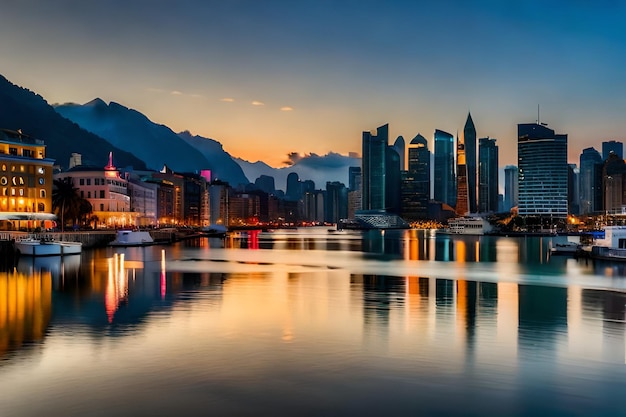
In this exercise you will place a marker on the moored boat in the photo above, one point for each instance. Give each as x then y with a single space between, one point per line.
132 238
612 246
32 246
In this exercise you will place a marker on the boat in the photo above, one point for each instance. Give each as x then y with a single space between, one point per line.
132 238
468 225
214 230
567 248
33 246
612 246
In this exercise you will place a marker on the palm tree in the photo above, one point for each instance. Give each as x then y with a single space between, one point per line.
65 199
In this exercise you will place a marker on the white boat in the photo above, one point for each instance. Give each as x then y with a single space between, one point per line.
31 246
612 246
132 238
468 226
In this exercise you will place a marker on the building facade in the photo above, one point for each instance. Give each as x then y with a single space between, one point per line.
510 187
542 163
25 182
487 175
590 181
444 182
373 168
469 141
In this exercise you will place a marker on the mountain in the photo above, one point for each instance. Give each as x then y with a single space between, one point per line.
319 168
156 144
22 109
221 163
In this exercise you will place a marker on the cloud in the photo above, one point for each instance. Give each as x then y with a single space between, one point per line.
176 93
257 103
292 158
286 108
227 99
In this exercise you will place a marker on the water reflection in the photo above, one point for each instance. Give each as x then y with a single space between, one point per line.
495 323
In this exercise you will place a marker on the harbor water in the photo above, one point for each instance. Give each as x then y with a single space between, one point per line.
315 322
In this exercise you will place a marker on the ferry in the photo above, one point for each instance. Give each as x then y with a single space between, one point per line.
469 226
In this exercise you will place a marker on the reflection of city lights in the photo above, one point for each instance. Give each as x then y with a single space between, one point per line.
117 285
163 282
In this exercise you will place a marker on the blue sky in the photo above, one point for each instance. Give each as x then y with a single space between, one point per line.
267 78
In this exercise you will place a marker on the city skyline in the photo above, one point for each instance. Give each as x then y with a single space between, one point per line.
267 79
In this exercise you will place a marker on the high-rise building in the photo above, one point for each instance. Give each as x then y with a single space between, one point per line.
573 196
400 147
487 175
373 168
612 146
416 182
294 187
444 181
590 181
462 203
613 183
336 202
542 162
469 141
393 181
354 178
510 187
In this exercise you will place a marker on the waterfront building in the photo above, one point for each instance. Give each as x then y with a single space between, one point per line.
393 181
573 196
416 181
469 142
143 200
542 162
510 187
373 166
590 181
462 202
400 146
107 192
314 206
336 202
613 184
612 146
444 181
25 182
487 175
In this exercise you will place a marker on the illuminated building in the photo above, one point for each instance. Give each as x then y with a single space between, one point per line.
542 164
106 190
25 182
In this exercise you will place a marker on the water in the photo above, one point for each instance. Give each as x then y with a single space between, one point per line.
312 322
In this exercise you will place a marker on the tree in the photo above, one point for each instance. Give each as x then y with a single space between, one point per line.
66 201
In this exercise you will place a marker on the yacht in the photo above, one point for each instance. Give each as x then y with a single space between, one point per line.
468 226
132 238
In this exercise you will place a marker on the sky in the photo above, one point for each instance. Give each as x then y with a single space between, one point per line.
267 78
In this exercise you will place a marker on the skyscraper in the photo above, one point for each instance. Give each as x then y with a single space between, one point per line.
400 147
392 181
416 183
590 181
542 162
354 178
294 187
612 146
462 203
444 181
374 149
510 187
469 140
487 175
